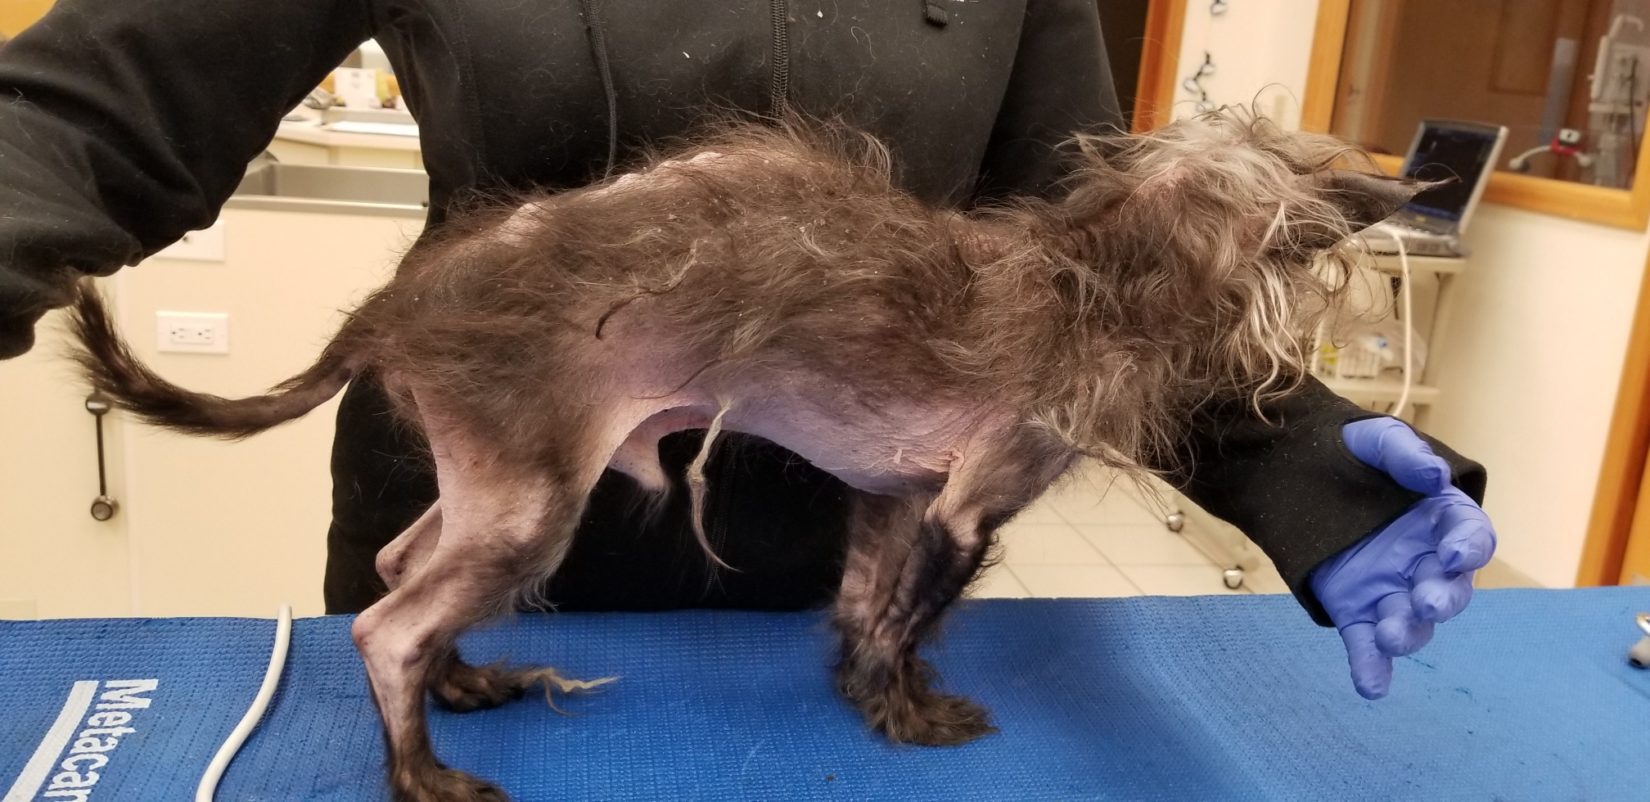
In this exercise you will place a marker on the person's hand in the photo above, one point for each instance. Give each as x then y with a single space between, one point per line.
1387 592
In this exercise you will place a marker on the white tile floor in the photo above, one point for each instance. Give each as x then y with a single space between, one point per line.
1092 537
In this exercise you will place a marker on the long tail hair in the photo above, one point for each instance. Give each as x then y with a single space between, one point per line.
108 362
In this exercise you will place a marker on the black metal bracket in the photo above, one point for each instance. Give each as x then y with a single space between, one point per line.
103 507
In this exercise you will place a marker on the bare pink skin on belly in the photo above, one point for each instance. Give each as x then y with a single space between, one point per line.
896 449
884 446
888 446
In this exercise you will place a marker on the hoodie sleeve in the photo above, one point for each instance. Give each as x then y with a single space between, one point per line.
124 125
1285 479
1289 483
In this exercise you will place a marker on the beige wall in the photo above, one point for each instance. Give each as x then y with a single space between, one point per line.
1529 379
1540 330
1258 54
55 561
206 527
15 15
237 528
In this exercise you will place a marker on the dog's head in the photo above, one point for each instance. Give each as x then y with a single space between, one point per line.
1221 239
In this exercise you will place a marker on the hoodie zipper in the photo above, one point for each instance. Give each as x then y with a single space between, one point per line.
779 82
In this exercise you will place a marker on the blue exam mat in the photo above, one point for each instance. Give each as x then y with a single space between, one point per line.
1527 696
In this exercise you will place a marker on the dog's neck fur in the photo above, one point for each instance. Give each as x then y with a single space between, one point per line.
1065 339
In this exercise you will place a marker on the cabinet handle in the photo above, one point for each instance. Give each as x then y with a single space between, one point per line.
103 507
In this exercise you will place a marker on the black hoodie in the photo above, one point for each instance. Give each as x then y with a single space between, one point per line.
126 123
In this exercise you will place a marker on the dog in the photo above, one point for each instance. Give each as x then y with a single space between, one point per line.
947 366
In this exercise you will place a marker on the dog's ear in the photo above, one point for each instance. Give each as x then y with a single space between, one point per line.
1365 199
1351 201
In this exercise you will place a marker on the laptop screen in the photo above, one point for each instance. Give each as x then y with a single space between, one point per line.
1444 153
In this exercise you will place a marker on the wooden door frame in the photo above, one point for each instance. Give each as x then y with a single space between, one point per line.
1626 448
1159 62
1621 208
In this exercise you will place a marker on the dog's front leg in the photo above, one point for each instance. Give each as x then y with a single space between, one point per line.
904 569
907 564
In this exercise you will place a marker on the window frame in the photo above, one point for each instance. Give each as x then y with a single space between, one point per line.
1621 208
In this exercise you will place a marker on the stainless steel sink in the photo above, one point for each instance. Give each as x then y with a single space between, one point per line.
321 188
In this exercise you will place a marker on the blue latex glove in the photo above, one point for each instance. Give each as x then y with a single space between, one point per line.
1386 593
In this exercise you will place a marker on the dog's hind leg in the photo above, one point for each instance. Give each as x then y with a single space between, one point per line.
505 523
907 564
455 684
411 549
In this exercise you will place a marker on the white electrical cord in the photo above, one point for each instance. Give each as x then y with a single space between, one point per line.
1409 318
272 678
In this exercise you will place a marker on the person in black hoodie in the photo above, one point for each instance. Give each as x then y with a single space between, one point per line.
124 125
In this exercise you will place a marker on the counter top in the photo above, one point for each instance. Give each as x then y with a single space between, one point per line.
311 131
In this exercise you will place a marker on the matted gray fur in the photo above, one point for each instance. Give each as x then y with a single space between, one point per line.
772 280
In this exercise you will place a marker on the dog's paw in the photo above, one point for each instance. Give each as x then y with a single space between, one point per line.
445 785
927 718
900 703
461 688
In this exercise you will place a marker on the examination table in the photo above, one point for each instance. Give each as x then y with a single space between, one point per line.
1528 695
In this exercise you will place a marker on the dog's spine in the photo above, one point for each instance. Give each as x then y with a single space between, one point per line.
113 370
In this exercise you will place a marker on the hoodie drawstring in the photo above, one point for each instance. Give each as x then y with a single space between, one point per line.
596 31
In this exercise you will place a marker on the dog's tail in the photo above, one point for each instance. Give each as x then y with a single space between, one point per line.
112 368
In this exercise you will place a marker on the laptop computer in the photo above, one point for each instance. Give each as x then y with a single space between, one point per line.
1432 223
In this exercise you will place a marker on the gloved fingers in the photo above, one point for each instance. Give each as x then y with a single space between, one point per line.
1390 446
1439 595
1466 539
1371 670
1399 631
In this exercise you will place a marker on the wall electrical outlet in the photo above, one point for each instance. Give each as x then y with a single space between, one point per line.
192 332
206 245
